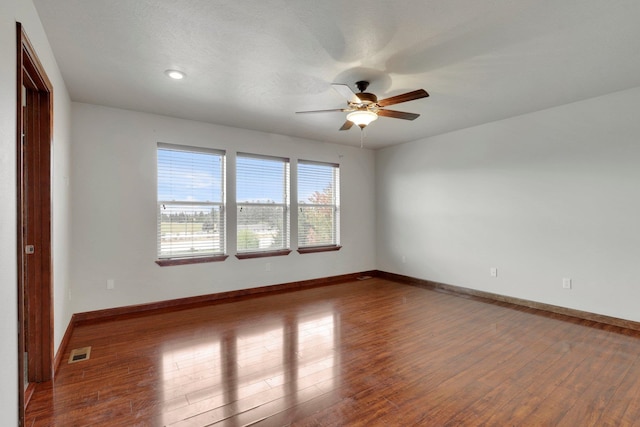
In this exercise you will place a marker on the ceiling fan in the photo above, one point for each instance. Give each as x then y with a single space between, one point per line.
364 107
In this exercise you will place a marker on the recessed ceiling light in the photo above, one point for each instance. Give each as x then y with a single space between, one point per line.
175 74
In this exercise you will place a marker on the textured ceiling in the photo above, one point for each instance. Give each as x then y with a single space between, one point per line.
252 64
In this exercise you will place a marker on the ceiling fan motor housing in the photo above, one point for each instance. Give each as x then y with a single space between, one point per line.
367 98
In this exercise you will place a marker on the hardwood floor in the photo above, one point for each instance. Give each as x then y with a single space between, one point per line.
362 353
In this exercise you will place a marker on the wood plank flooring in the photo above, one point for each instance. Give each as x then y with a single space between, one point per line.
362 353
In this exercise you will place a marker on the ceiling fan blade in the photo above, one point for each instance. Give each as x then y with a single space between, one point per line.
346 91
321 111
398 114
347 125
409 96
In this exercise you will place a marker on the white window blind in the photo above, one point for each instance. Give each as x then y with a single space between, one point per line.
262 196
318 204
191 209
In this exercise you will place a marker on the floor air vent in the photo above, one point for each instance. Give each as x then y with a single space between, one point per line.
79 354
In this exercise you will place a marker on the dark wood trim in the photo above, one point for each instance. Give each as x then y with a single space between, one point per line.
189 302
63 345
473 293
263 254
33 162
187 261
316 249
30 61
22 400
28 393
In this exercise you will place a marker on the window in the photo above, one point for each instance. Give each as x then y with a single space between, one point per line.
262 196
191 210
319 206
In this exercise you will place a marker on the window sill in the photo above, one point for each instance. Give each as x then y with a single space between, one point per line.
185 261
247 255
313 250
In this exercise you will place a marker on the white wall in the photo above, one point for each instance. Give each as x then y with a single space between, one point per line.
24 12
542 196
114 210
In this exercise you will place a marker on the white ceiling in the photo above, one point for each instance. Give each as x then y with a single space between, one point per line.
252 64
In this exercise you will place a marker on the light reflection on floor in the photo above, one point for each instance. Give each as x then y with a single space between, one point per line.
290 359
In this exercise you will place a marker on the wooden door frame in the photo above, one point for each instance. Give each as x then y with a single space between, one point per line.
36 229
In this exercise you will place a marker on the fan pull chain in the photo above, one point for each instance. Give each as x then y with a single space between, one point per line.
363 135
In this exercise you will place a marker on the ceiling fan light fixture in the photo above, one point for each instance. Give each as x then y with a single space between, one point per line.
362 117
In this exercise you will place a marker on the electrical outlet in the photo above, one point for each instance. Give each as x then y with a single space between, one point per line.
493 272
267 267
404 259
566 283
111 284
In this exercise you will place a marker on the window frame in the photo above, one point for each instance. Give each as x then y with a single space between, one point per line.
192 258
286 205
335 246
